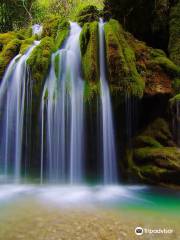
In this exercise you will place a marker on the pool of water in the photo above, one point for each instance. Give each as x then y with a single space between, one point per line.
121 208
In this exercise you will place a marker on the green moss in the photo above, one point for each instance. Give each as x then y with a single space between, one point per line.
57 65
62 34
8 53
26 44
121 61
50 27
89 39
174 101
5 38
91 89
165 157
39 62
159 130
146 141
167 65
174 29
87 14
155 165
24 33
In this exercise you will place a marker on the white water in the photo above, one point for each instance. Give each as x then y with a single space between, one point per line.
62 115
73 196
37 29
12 106
108 138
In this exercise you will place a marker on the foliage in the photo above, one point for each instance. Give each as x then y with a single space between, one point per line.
14 14
37 11
65 9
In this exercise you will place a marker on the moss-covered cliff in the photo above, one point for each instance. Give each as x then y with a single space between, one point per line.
121 63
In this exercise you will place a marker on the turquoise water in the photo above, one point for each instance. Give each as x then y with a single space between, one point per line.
121 208
119 197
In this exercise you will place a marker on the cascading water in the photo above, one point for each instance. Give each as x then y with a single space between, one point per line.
12 107
62 115
108 138
37 29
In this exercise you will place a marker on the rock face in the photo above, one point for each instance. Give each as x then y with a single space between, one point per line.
155 157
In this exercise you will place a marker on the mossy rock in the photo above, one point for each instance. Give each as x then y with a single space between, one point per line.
174 30
5 38
26 44
154 157
165 157
39 62
159 130
8 53
146 141
24 33
89 40
62 34
91 91
50 27
121 61
157 70
88 14
158 165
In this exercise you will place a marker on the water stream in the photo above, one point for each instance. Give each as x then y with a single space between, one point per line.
108 136
12 107
62 115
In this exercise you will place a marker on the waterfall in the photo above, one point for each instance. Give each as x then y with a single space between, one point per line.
108 137
62 115
37 29
12 106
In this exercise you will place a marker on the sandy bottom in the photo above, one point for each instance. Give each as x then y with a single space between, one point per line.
112 213
34 221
